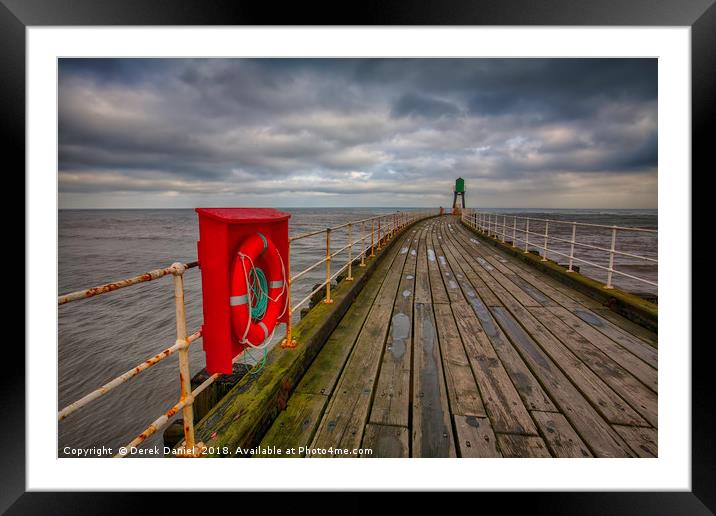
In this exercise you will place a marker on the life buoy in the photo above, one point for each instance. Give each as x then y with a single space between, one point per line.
258 277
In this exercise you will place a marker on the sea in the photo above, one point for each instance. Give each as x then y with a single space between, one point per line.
102 337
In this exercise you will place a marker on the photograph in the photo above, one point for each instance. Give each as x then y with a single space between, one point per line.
358 257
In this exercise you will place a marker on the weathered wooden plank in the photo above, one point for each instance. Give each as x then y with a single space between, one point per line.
468 257
422 280
559 435
508 283
630 327
631 362
526 384
644 441
640 368
388 290
437 287
525 446
603 397
533 292
461 386
596 432
639 396
483 272
529 277
639 348
295 426
345 419
520 295
450 280
386 441
431 426
504 406
475 438
392 397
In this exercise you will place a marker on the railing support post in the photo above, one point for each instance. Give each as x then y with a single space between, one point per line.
184 371
380 237
350 252
328 299
546 230
288 341
514 232
504 227
610 270
571 247
372 238
527 235
362 244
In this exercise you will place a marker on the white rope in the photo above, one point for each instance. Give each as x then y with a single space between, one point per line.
269 338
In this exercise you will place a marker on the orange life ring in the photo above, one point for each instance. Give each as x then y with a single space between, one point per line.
256 250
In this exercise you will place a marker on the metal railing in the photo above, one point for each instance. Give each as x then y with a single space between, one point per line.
382 229
504 226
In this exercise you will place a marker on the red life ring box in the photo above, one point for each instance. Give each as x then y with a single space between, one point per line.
221 234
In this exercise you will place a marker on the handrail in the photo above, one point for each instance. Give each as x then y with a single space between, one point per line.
489 224
396 222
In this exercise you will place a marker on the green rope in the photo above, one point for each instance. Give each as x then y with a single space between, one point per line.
261 363
258 289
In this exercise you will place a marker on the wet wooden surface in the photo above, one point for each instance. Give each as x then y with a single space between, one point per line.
455 349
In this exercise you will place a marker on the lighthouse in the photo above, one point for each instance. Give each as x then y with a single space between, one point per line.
458 190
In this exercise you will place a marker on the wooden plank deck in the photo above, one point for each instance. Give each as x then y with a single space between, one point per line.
456 349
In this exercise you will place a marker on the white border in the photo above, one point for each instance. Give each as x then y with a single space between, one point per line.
670 471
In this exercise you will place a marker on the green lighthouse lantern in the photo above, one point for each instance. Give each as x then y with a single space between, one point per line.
458 191
459 185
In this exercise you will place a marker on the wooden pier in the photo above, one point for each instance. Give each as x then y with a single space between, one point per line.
455 348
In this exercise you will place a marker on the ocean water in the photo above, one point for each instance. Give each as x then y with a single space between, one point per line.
102 337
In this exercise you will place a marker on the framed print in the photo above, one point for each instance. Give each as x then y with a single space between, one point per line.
427 237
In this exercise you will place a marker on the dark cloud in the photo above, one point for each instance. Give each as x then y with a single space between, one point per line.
420 105
364 132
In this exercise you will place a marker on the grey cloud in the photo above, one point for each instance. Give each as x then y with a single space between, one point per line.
421 105
367 130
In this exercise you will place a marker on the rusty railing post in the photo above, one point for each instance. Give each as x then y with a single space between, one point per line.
350 252
514 232
380 246
372 237
546 230
362 244
288 341
184 372
527 235
328 299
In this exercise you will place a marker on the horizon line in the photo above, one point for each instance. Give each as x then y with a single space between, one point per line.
356 207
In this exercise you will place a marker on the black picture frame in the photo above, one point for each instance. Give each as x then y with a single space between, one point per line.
700 15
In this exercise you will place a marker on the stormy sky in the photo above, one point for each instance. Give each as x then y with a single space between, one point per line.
530 133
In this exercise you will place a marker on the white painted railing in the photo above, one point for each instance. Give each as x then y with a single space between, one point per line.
516 230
